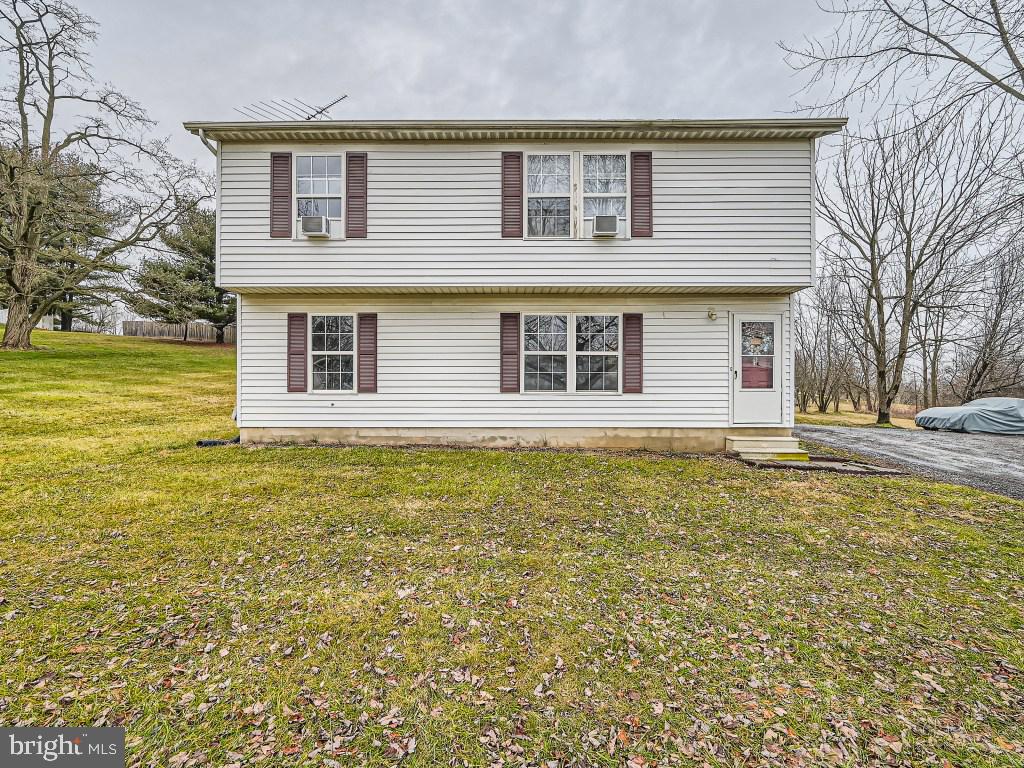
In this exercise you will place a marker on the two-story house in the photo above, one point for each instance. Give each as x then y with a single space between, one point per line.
546 283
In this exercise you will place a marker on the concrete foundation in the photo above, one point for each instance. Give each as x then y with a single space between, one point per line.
682 440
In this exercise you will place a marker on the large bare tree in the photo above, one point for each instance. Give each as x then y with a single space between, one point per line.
906 210
989 359
946 53
80 182
932 64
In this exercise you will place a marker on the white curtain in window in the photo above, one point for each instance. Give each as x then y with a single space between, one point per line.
604 185
604 206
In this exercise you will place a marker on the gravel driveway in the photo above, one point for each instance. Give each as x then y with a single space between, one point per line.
990 462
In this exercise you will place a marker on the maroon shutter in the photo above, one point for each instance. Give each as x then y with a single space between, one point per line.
366 372
512 194
296 351
355 194
280 194
632 353
509 351
641 211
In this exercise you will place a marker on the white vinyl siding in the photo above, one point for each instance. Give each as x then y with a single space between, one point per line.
438 364
726 215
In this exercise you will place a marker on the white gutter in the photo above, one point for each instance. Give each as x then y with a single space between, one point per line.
202 137
517 130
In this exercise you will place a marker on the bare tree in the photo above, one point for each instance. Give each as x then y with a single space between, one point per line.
928 334
990 360
905 208
805 352
80 184
822 353
948 53
859 382
939 320
101 317
931 63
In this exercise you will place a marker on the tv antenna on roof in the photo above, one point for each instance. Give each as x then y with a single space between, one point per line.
287 109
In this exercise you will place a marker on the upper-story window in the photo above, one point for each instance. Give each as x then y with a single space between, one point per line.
604 187
318 185
565 191
548 195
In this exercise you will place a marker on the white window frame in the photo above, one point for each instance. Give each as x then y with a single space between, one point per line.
570 195
577 221
353 353
566 353
338 232
609 195
570 353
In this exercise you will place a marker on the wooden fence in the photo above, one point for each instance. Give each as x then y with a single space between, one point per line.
154 329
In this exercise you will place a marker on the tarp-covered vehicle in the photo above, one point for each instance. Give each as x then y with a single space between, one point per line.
996 415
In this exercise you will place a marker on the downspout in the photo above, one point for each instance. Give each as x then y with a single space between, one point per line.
206 142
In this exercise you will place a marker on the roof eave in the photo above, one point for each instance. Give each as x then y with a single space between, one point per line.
519 130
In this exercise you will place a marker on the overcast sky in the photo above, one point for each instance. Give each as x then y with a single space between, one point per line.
197 59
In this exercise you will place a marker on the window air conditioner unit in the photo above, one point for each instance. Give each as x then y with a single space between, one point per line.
315 226
606 226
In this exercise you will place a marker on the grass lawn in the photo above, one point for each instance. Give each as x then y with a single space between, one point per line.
345 607
847 417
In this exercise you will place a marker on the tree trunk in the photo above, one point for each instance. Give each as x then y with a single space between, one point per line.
65 320
18 333
803 399
925 388
935 376
882 392
184 333
220 334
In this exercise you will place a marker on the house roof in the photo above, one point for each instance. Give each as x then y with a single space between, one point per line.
517 130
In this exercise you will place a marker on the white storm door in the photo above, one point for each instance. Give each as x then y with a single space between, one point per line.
756 369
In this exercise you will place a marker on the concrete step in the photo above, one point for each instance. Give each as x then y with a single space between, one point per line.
766 448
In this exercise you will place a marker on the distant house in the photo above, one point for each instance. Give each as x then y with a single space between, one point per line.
564 283
45 324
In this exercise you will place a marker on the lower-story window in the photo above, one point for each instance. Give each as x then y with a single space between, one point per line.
545 348
586 344
597 353
332 351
